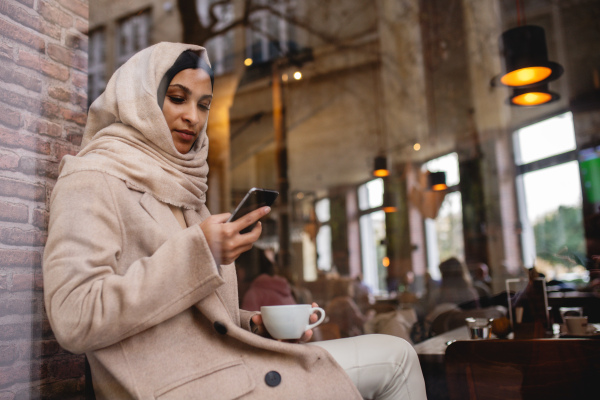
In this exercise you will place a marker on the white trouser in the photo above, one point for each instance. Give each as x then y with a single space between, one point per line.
382 367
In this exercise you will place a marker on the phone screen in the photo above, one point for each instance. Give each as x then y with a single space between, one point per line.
254 199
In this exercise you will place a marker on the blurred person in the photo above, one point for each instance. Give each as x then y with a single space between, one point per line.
344 312
268 288
456 286
481 282
140 277
361 294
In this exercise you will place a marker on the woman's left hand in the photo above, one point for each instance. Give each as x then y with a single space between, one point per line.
262 331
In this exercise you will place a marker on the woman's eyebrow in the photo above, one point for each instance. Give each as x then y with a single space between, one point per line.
184 88
189 92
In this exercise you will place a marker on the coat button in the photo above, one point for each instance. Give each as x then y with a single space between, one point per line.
272 378
219 327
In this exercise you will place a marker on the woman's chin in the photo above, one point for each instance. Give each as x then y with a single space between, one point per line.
183 148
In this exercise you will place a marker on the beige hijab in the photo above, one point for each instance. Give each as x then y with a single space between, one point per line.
127 136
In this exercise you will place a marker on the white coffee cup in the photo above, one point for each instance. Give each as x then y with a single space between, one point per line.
576 325
290 321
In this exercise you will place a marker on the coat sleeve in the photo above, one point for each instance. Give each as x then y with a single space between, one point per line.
245 317
89 304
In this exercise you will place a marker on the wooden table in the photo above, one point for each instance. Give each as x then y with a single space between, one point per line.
435 348
431 356
432 353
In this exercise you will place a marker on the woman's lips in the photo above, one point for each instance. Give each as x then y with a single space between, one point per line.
187 135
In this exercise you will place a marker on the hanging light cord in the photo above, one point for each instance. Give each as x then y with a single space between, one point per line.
520 13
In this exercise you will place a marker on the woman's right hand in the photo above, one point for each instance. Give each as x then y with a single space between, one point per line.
224 238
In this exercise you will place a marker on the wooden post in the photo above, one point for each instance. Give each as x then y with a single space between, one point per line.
279 126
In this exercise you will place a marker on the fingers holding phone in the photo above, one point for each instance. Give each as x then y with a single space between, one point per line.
255 199
249 222
228 236
224 239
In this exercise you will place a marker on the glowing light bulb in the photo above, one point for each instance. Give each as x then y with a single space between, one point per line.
532 99
526 76
297 75
248 62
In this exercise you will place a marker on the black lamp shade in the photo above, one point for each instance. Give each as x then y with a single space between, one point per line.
381 169
526 58
437 181
532 96
390 201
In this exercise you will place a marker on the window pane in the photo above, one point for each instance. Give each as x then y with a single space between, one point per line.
132 36
544 139
322 209
553 219
370 195
372 234
445 234
324 259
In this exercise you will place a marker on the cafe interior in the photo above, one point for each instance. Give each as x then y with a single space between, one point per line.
437 163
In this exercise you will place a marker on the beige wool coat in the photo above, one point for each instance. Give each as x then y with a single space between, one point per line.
157 318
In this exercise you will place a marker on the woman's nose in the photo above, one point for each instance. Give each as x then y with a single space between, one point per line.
191 115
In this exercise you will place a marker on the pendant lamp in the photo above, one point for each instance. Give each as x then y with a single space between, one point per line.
437 181
526 58
380 167
390 201
532 96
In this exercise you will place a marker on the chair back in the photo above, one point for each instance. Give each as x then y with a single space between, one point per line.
523 369
326 331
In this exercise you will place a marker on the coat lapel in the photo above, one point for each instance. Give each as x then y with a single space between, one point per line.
161 213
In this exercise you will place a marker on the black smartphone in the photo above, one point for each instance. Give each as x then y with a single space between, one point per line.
254 199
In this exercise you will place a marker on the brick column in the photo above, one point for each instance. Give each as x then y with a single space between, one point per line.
43 104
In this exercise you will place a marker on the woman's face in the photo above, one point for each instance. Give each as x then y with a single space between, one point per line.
186 106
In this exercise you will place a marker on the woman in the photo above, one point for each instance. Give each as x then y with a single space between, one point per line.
457 285
137 273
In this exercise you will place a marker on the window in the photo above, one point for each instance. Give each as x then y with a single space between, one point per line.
444 234
219 48
550 197
133 35
96 64
270 36
324 253
373 235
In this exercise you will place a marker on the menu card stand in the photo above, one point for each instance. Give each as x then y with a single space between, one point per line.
528 307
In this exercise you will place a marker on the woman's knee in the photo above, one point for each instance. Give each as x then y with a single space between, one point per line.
398 350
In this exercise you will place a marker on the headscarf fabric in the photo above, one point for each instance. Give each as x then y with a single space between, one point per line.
127 136
187 59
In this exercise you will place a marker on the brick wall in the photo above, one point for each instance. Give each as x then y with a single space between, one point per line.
43 80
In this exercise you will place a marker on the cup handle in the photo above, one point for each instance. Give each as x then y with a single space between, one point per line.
321 311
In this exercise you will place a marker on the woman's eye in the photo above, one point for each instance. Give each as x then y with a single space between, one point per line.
204 106
176 100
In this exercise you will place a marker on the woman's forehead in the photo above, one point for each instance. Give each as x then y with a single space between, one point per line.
193 78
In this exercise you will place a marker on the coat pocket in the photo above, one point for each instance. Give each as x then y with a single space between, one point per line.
226 381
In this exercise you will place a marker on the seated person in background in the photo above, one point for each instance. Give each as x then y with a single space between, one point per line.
456 286
397 322
481 282
361 294
267 289
301 294
343 311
